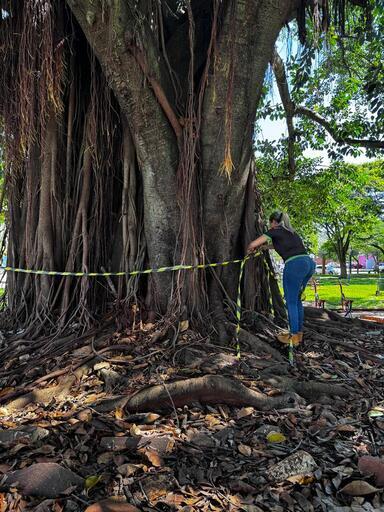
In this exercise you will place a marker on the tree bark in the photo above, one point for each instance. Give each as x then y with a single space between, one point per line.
148 180
154 139
248 41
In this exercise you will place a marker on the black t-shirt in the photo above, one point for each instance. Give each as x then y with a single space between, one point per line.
286 243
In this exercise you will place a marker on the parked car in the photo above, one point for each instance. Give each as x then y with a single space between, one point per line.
381 267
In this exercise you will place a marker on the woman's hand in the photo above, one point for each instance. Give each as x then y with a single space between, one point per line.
252 247
256 243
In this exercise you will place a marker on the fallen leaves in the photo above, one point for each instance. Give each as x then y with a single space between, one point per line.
43 479
245 450
372 466
206 458
92 481
276 437
358 488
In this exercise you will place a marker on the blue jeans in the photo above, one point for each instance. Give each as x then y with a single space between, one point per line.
297 273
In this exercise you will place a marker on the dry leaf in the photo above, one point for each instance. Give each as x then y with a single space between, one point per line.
245 411
276 437
119 413
301 479
245 450
3 503
173 500
105 458
85 415
154 458
372 466
183 325
135 430
211 420
376 412
358 488
128 469
346 428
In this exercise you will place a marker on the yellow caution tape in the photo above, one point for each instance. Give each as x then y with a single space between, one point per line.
128 273
173 268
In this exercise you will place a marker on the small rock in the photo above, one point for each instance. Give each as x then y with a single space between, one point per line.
114 504
298 463
46 479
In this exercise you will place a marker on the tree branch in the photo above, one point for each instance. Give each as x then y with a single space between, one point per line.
289 107
377 246
292 110
367 143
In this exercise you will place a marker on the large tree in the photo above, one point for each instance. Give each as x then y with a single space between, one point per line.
129 144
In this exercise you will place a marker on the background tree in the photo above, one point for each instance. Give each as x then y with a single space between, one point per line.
332 99
372 241
343 202
129 129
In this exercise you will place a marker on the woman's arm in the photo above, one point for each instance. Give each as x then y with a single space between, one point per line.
257 243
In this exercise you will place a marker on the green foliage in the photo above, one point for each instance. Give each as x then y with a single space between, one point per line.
344 201
372 241
339 76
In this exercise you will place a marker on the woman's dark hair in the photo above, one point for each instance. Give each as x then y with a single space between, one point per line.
277 216
282 219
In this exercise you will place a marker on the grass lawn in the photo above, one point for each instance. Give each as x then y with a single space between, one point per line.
362 290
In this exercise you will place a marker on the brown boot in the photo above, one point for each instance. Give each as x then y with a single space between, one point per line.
297 338
286 338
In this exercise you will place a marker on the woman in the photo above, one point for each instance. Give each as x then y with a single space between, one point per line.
297 272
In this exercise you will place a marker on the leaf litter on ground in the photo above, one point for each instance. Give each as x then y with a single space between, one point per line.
323 454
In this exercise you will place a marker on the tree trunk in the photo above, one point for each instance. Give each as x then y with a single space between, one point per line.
343 265
155 157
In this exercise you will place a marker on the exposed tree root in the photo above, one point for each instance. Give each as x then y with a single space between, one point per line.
210 389
255 344
41 396
308 390
332 317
